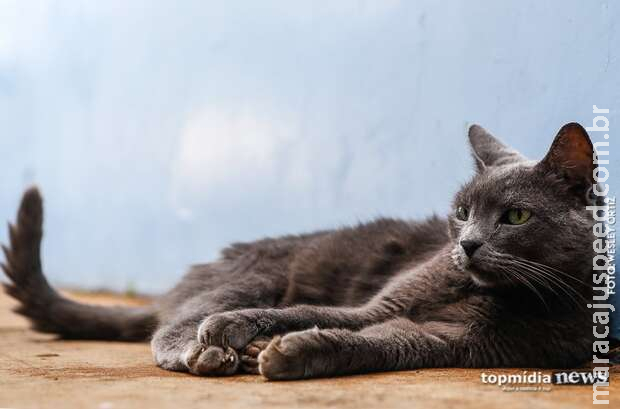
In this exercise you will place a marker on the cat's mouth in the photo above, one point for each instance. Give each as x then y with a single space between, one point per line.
481 273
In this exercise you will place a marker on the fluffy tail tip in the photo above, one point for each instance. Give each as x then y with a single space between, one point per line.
30 209
22 263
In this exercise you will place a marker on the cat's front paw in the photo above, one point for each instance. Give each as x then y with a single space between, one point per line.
233 329
210 361
290 357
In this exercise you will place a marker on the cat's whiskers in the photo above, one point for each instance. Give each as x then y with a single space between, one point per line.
524 280
534 274
521 276
544 275
548 282
553 278
554 269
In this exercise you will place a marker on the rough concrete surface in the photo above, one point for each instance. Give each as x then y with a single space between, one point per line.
39 372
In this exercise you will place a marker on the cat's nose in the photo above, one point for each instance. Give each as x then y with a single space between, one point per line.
470 246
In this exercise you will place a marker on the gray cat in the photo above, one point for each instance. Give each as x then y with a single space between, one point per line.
502 282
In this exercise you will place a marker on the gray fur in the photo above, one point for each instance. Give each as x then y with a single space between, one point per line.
385 295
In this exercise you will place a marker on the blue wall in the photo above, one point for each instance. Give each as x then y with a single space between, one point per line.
160 132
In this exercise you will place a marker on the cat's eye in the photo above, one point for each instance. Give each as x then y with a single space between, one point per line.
462 213
517 216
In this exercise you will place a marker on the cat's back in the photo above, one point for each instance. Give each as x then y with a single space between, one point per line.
350 265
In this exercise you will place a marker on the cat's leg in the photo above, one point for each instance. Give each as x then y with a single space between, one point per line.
394 345
401 344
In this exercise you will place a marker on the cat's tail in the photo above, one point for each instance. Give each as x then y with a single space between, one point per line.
48 310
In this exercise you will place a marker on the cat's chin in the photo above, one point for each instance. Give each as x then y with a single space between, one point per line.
486 279
480 281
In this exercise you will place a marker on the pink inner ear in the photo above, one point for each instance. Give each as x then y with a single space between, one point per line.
577 151
572 153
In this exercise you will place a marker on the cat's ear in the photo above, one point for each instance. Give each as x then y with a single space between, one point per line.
488 151
571 155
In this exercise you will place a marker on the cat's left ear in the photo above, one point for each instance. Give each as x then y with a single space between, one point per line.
571 156
489 151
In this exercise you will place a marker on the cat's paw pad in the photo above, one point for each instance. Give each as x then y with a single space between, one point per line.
211 361
284 358
249 356
229 329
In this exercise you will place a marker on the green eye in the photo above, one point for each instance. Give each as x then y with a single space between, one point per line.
517 216
462 213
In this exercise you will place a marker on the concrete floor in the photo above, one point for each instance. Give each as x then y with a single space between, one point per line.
38 372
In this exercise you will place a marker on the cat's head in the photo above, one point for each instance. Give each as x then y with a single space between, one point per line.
519 219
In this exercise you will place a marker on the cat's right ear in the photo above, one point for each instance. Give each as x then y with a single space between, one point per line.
489 151
571 156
